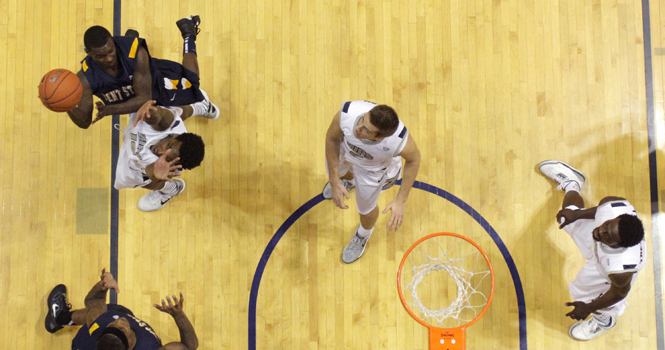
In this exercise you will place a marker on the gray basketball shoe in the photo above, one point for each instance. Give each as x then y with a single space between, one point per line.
355 249
562 173
327 189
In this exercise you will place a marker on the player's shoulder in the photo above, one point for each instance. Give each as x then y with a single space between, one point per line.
617 207
356 107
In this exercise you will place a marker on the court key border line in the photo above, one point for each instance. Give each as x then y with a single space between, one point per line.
256 282
115 152
653 174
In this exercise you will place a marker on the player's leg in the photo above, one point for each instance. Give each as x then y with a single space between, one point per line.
569 179
367 196
588 285
189 28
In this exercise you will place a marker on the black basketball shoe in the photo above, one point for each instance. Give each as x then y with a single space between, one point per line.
57 303
189 26
132 33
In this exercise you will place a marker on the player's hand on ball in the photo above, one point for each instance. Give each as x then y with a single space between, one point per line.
338 194
581 311
396 215
164 169
144 112
565 217
101 111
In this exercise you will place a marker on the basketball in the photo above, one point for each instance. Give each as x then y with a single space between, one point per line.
60 90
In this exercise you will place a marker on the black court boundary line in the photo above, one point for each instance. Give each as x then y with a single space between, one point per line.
115 147
256 282
653 173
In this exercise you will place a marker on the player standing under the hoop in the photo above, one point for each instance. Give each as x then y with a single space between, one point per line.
365 144
120 71
611 238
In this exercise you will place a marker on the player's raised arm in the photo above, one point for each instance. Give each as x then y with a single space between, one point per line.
188 338
95 301
142 85
81 115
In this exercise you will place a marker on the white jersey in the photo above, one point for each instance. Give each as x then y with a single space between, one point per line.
370 155
617 260
135 153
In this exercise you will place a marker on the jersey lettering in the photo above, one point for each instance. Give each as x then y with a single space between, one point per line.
113 96
359 152
129 91
143 325
138 143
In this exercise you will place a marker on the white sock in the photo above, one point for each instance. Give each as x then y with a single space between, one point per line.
199 108
363 233
603 318
572 186
170 187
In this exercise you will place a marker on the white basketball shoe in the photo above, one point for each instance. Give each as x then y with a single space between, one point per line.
211 110
155 200
562 173
355 249
591 328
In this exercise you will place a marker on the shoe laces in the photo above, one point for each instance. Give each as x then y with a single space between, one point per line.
60 301
348 185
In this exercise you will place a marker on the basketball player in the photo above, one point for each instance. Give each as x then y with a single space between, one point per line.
611 238
155 148
365 145
120 71
114 326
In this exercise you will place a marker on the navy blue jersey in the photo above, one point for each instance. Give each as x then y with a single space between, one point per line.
83 340
172 84
146 338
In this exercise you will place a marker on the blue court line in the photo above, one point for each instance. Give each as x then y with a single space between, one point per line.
421 186
653 174
115 148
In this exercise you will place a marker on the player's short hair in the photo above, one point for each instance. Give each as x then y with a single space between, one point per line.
385 119
96 37
192 150
110 342
631 230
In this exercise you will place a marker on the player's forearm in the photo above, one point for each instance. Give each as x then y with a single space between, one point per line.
96 295
187 333
80 118
613 296
131 106
586 213
408 178
332 157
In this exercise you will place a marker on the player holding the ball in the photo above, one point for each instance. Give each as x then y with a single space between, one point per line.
156 147
611 238
120 71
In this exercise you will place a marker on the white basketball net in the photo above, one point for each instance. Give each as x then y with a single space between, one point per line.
462 310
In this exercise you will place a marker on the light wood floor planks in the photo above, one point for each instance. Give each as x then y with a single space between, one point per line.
487 88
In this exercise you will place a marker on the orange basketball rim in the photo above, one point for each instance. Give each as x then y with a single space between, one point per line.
464 261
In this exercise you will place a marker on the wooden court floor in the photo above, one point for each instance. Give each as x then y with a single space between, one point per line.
487 88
